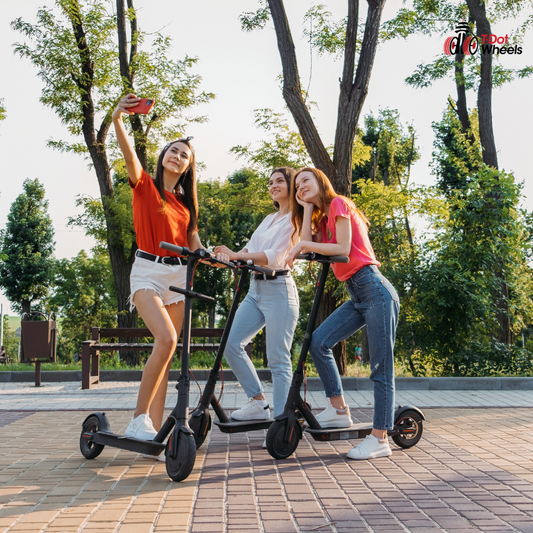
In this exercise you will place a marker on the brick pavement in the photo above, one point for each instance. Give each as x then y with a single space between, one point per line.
122 395
472 471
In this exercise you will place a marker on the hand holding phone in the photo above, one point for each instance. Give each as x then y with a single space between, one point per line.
143 107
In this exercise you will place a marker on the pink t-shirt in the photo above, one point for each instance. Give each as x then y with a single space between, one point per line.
361 252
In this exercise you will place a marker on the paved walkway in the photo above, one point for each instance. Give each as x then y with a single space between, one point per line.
122 395
472 471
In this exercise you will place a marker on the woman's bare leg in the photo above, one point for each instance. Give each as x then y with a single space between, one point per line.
157 318
157 407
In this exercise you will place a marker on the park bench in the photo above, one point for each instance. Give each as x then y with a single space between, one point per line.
90 363
4 359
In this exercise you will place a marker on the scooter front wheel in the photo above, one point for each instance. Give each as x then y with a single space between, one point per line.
181 466
201 426
412 424
89 449
277 445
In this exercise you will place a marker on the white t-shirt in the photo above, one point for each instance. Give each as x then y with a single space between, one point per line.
273 238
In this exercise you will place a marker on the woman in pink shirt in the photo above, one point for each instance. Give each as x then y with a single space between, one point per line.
330 224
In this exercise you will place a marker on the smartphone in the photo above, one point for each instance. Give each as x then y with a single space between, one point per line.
143 107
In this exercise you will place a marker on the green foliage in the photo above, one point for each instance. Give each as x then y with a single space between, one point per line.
387 150
457 155
26 248
2 110
455 277
10 341
255 20
284 148
439 17
83 298
119 206
53 49
325 35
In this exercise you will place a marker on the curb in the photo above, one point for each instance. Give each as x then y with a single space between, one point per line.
313 384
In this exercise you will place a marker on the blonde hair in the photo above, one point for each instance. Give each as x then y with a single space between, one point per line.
326 194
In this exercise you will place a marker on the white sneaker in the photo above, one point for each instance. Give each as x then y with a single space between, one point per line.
370 448
252 411
334 418
161 457
264 445
141 428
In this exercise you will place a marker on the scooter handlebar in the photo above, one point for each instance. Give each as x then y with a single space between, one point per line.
181 250
312 256
249 264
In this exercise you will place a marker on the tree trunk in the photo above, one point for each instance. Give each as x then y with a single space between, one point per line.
120 264
351 99
484 95
26 307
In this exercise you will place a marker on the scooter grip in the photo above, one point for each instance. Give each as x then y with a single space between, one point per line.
181 250
312 256
267 271
339 259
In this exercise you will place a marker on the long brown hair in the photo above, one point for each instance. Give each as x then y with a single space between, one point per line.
288 174
186 183
327 195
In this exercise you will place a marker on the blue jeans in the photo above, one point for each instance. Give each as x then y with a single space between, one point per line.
274 304
374 303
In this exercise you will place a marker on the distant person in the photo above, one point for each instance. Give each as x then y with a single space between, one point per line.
331 224
272 301
165 208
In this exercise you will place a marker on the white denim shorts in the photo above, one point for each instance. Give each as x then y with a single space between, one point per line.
158 277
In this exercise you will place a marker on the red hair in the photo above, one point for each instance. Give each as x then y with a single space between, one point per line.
326 194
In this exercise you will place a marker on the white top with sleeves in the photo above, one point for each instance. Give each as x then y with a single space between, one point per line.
273 238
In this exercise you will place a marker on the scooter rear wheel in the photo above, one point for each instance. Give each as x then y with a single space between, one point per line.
180 468
275 440
196 423
90 450
409 420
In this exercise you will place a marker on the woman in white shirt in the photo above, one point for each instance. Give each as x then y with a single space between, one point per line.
272 301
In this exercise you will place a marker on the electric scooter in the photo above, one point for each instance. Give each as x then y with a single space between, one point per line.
180 449
285 433
200 419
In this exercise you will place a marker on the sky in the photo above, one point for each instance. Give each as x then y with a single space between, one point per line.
242 69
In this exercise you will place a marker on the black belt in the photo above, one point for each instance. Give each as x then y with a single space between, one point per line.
279 273
164 260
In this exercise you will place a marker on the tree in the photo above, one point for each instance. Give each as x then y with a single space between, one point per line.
74 46
27 248
353 89
457 274
2 110
10 341
83 297
438 17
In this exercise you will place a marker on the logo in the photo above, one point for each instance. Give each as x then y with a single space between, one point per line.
469 44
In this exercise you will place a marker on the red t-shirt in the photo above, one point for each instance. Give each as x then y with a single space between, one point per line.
361 251
151 225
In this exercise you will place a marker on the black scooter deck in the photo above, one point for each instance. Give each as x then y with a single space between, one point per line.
355 431
126 443
242 426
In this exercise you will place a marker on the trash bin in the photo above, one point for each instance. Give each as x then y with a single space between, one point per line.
38 338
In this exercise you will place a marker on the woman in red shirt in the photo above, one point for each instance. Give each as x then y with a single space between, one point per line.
330 224
164 209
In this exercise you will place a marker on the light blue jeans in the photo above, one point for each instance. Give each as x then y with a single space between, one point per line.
274 304
374 303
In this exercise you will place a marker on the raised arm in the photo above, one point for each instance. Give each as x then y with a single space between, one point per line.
133 165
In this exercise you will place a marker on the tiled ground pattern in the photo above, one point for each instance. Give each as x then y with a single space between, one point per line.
471 472
6 417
